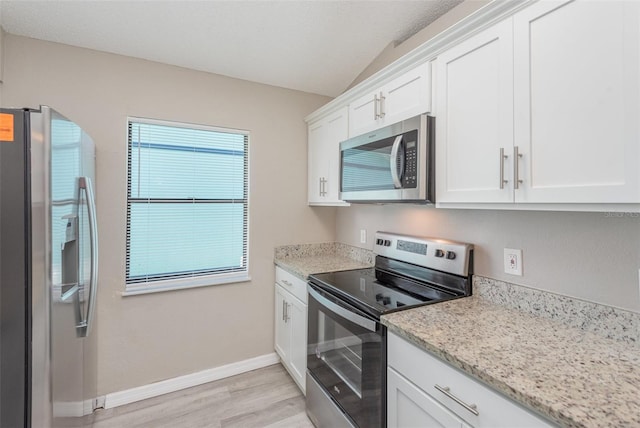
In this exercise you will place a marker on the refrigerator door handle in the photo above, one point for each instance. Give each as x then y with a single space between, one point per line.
85 326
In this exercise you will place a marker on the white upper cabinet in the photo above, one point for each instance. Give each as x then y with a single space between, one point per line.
576 87
474 118
542 108
325 136
403 97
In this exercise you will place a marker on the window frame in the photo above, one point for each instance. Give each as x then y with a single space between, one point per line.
186 282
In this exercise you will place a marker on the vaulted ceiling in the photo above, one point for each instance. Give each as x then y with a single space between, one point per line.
317 46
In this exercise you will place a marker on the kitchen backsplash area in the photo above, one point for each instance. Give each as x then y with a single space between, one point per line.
324 249
305 259
606 321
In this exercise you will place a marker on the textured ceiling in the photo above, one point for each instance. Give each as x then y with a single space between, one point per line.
314 46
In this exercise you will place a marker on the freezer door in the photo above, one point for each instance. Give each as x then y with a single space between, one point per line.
14 269
73 272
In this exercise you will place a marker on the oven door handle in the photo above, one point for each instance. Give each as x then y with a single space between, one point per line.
343 312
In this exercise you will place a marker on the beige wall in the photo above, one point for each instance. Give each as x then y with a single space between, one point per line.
147 338
591 256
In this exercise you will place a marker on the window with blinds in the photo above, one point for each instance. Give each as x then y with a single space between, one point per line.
187 205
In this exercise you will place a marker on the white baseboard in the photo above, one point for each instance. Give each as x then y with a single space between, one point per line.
132 395
72 409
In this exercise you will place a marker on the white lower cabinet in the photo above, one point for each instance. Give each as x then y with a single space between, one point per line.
291 325
423 391
409 406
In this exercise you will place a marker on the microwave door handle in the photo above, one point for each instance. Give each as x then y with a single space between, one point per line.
395 174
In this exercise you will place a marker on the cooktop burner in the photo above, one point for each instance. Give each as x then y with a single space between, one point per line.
362 286
409 271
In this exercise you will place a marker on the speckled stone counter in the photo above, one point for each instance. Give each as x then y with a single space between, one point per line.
306 259
573 376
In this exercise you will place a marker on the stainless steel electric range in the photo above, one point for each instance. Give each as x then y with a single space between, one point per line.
346 352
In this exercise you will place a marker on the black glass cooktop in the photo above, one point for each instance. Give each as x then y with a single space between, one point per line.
378 292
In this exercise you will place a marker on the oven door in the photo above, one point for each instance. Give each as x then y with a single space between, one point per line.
346 356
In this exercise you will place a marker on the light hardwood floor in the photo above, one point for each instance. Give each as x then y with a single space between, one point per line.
262 398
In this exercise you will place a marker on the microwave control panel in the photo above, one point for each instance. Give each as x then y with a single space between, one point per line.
410 176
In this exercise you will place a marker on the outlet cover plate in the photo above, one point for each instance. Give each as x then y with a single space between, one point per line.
513 261
363 236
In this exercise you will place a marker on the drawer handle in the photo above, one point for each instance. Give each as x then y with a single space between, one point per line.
285 282
447 391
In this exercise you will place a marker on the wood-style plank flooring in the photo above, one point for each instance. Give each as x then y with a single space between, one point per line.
262 398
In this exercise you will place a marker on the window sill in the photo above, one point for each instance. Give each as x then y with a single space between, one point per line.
183 284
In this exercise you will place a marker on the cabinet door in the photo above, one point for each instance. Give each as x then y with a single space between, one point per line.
297 320
317 164
474 119
337 131
576 101
409 406
282 329
407 95
324 158
364 114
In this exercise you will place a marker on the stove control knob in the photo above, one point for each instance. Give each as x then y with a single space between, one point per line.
451 255
378 297
439 253
379 241
387 243
386 300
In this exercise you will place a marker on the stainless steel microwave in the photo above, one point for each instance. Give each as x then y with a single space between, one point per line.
392 164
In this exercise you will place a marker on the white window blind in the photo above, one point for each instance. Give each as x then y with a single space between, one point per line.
187 202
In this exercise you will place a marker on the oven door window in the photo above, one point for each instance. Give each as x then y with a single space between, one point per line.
345 357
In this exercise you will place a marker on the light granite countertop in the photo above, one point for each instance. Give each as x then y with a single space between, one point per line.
306 259
572 376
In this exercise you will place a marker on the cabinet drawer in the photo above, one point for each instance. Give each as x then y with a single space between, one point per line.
426 371
292 284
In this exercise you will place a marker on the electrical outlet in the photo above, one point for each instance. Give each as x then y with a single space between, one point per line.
513 261
363 236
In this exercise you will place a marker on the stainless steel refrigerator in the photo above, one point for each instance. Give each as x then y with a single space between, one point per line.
48 271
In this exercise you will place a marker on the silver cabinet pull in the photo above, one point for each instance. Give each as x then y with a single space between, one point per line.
286 312
382 99
516 171
447 391
320 186
503 157
285 282
283 310
324 186
376 115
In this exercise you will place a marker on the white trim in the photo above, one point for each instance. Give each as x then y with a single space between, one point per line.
184 283
143 392
623 210
477 21
73 409
187 125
